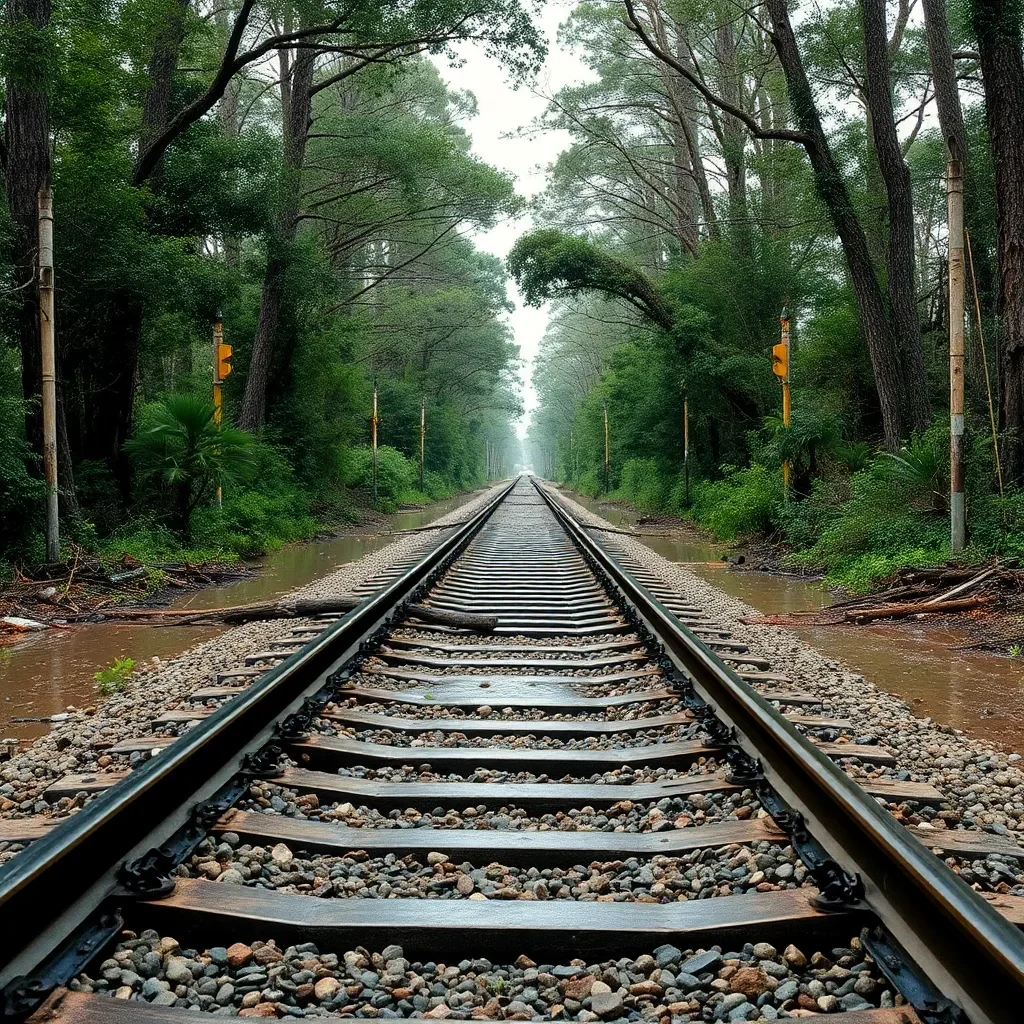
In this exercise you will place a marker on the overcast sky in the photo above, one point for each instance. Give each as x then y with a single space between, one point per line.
502 112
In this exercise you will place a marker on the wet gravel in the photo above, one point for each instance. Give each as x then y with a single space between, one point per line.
76 745
486 712
703 874
443 739
984 785
624 815
261 979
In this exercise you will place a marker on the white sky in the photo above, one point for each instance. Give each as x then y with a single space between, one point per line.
502 112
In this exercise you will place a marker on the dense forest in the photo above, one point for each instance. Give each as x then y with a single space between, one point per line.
730 164
303 173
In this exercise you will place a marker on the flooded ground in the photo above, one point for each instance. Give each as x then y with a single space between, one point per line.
979 693
48 671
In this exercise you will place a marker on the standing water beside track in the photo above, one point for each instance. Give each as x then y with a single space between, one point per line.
48 671
919 662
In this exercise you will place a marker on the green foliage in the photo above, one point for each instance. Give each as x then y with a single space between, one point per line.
21 495
740 505
115 677
395 473
180 448
642 484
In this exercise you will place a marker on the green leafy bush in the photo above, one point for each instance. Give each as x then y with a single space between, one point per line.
21 495
644 485
395 473
741 505
180 448
115 677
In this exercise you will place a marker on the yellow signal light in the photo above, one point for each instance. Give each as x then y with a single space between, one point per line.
780 360
223 360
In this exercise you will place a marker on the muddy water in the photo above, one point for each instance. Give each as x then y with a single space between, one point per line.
48 671
979 693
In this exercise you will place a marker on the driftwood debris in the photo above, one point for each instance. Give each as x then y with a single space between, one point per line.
233 616
460 620
901 611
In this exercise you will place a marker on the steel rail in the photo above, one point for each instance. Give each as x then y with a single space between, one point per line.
60 881
971 953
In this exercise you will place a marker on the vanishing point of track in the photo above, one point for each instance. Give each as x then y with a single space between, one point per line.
519 661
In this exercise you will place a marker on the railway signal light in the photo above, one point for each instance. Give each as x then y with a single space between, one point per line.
780 360
223 360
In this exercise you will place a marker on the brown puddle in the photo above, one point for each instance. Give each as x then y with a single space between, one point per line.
48 671
979 693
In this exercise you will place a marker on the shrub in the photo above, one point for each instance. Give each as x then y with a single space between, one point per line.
115 677
742 504
395 473
180 448
643 483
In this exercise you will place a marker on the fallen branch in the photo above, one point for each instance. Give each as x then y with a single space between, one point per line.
973 581
284 609
432 526
461 620
899 611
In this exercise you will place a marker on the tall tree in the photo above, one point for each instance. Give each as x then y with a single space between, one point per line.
901 389
997 25
26 165
899 258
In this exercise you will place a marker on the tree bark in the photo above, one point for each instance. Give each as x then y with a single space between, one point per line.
733 138
997 28
899 253
296 97
27 170
898 417
163 65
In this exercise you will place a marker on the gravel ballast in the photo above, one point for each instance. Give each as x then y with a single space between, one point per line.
75 745
754 982
984 786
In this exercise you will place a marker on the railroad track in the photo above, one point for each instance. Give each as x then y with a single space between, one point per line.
554 788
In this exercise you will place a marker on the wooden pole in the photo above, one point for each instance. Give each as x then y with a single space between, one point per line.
49 364
218 338
606 458
686 448
955 227
423 436
374 430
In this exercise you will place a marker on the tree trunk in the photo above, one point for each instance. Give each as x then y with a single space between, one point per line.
163 65
899 253
943 68
27 170
296 104
227 115
733 135
997 28
881 341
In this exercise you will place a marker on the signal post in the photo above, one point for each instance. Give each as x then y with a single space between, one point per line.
780 367
221 368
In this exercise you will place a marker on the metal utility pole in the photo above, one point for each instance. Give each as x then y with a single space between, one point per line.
423 436
221 368
606 458
49 362
780 367
572 456
487 460
686 448
955 223
374 423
